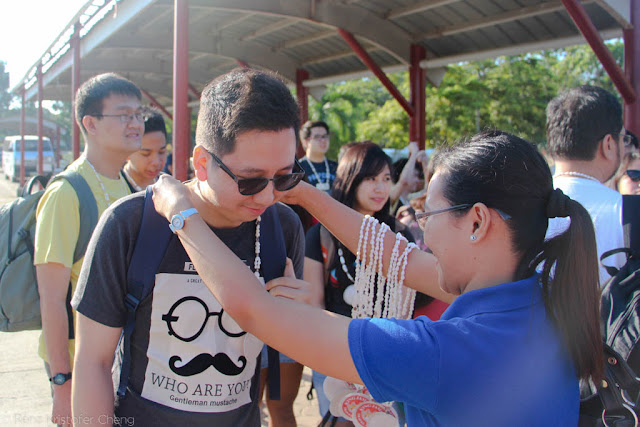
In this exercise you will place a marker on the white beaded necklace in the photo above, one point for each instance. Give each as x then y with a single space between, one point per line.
578 174
344 265
398 301
257 262
107 198
321 185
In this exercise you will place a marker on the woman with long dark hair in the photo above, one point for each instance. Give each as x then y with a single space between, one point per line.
363 183
508 351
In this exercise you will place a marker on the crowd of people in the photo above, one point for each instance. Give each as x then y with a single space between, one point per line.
266 251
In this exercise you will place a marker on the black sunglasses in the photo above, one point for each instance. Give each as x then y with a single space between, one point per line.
634 175
251 186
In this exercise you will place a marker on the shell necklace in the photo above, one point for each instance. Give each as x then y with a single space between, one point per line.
324 186
257 262
577 174
107 198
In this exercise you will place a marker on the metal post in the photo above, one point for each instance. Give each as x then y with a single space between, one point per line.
181 119
417 83
632 68
302 93
590 33
40 124
22 134
75 84
57 158
375 69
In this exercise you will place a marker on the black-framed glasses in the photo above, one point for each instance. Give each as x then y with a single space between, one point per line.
633 174
251 186
191 307
627 140
326 136
124 118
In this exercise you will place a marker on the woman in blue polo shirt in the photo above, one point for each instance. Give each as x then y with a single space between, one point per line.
509 350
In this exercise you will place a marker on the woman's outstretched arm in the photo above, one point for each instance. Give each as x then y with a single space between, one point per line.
296 329
344 223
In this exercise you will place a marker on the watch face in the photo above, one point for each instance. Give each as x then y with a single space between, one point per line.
59 379
177 222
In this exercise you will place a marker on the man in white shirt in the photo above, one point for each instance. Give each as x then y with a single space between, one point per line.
586 139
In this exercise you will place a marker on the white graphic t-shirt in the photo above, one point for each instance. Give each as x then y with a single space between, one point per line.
191 364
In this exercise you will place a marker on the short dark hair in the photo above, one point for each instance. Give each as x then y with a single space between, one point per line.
153 121
91 93
399 165
305 131
508 174
242 100
578 119
360 161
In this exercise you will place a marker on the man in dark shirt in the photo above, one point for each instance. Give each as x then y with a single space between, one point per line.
315 138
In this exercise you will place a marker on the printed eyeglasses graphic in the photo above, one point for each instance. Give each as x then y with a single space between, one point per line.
124 118
422 217
251 186
192 307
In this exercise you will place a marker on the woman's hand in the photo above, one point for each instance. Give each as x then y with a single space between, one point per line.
298 194
170 196
290 287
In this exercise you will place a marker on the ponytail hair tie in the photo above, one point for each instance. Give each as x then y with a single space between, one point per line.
558 204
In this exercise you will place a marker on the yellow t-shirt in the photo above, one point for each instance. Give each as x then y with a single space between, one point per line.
58 224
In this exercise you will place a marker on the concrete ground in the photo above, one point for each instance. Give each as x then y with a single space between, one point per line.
25 398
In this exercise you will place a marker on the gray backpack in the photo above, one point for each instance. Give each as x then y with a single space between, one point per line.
19 298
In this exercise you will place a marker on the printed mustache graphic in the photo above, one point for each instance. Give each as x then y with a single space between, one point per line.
201 362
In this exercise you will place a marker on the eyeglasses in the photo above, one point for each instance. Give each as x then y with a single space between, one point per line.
633 174
251 186
124 118
320 137
422 217
627 140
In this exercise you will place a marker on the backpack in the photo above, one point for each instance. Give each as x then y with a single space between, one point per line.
19 298
615 401
149 250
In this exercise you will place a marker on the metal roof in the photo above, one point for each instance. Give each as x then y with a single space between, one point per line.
135 37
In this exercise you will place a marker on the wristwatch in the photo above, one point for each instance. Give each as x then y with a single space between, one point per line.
59 379
177 221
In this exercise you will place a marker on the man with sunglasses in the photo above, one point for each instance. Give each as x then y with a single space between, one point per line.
107 110
586 139
190 364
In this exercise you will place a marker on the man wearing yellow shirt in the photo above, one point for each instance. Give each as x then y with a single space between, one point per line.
108 112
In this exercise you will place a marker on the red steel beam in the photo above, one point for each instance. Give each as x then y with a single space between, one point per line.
417 84
632 68
75 84
194 91
302 93
22 134
156 104
181 120
40 120
375 69
590 33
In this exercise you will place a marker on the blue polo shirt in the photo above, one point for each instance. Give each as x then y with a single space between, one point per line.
493 359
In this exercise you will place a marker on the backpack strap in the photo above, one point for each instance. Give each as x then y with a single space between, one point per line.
273 263
328 246
88 209
631 221
151 244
